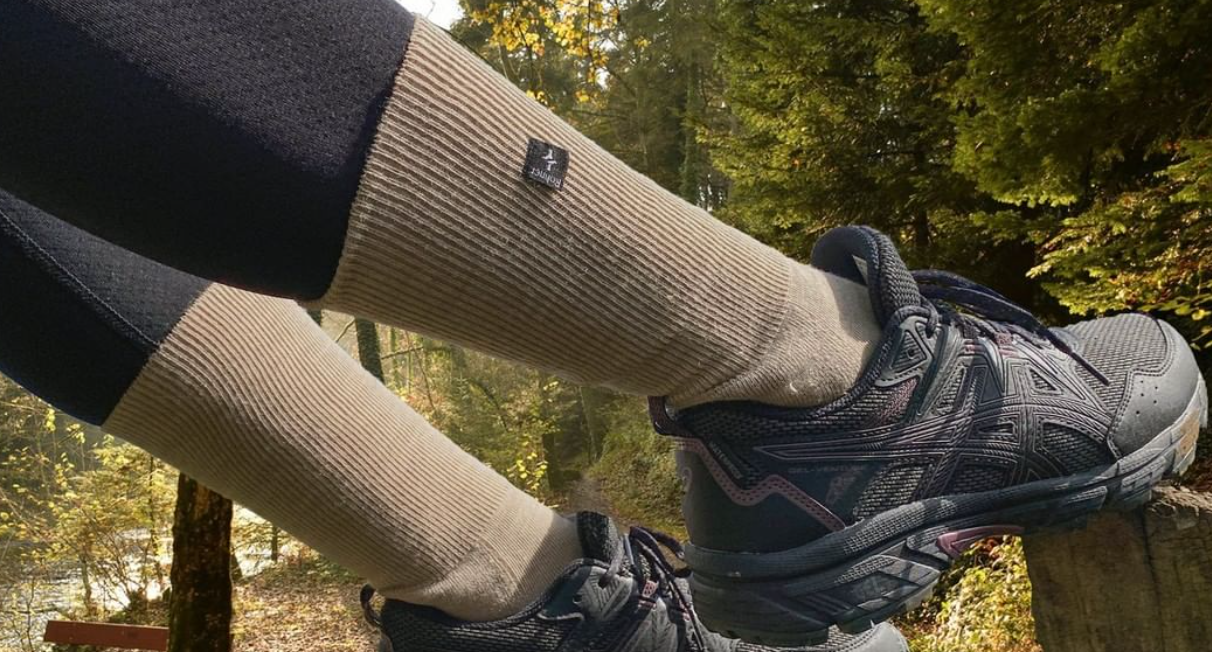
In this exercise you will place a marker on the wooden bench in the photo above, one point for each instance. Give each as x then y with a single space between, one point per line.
129 637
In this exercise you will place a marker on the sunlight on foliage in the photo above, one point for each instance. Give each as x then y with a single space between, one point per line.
578 28
1149 249
637 471
985 605
84 522
529 469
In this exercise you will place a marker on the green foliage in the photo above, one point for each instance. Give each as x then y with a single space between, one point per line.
986 608
1067 141
115 519
556 50
637 473
83 518
1062 95
838 113
634 76
1092 120
836 119
527 425
1148 248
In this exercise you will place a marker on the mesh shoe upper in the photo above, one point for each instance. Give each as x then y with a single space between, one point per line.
966 393
622 597
1150 372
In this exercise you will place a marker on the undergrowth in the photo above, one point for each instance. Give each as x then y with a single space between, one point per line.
983 604
637 473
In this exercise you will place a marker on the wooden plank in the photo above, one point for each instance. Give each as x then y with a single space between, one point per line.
129 637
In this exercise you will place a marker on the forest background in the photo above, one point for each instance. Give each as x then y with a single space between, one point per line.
1058 151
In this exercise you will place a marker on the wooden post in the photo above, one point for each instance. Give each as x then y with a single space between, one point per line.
1130 582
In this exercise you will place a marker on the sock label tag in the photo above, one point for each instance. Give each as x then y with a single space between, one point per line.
545 164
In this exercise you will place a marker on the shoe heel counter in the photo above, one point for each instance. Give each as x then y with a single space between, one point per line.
722 515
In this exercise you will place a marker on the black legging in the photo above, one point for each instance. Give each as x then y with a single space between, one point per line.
79 317
222 137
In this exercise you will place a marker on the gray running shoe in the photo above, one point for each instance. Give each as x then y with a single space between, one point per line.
971 420
623 597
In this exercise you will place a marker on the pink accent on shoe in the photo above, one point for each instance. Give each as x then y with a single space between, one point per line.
955 543
772 485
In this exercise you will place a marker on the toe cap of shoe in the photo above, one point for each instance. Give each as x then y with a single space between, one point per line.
1155 396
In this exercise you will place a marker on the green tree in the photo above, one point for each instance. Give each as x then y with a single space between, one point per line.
1046 145
835 117
1094 118
635 76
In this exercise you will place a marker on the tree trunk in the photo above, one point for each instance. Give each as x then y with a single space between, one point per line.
86 578
200 613
593 401
370 352
275 543
1130 582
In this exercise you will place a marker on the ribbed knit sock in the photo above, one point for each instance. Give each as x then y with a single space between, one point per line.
608 280
251 398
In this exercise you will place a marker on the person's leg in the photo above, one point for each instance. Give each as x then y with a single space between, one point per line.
337 152
246 394
609 279
223 137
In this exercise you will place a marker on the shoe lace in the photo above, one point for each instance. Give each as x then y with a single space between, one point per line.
989 313
642 552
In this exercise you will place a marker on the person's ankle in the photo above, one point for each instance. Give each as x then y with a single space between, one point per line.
819 351
513 561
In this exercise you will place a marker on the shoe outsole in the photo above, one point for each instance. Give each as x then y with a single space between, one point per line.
862 576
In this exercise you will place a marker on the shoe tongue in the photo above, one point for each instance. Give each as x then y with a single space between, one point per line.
866 256
599 536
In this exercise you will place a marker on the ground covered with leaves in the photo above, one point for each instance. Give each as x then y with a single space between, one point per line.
306 604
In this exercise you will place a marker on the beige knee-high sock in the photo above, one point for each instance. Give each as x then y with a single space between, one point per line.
259 404
610 280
